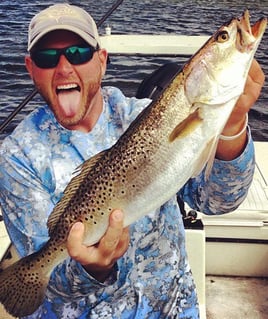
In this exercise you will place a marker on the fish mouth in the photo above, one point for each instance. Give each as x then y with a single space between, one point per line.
248 35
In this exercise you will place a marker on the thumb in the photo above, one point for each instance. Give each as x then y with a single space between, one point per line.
75 239
77 232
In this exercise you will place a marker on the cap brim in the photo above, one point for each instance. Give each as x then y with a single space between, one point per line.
85 36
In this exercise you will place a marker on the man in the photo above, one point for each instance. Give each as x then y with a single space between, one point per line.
138 272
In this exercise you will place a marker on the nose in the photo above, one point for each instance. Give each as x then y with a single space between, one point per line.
64 66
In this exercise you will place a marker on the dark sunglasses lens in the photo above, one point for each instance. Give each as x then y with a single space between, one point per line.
79 55
49 58
46 58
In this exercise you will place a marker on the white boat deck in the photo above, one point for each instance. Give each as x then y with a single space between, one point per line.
4 240
244 232
142 44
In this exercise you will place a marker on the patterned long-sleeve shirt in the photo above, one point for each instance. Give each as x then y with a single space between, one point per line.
153 278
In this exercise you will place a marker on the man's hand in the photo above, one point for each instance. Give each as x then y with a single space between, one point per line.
228 150
99 259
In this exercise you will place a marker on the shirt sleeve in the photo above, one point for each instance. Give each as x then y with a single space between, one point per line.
24 200
225 188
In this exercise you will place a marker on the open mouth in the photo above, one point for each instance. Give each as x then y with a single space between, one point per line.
247 34
67 88
257 29
68 98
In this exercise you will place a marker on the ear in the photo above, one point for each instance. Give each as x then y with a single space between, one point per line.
103 55
29 65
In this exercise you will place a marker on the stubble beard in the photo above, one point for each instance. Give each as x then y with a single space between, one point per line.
85 104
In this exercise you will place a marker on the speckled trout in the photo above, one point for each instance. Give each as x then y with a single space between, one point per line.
171 141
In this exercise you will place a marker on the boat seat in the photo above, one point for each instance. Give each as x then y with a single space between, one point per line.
153 85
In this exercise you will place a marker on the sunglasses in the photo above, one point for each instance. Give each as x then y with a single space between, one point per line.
75 54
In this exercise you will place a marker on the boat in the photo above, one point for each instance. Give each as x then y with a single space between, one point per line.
234 244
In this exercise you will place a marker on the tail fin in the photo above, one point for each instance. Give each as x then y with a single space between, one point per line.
23 286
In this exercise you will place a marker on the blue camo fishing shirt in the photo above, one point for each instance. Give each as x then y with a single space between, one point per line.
153 278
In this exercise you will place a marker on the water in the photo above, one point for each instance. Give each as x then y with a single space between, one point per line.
146 16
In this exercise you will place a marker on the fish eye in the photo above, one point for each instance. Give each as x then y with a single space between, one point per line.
222 36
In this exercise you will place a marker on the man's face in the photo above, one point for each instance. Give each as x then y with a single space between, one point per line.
71 91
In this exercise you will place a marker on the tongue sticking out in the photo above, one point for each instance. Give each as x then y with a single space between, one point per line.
69 102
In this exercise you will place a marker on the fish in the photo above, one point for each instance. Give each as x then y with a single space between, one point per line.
172 140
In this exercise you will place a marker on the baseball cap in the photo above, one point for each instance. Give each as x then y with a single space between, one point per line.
63 17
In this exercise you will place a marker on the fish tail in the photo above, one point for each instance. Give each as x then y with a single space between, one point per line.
23 285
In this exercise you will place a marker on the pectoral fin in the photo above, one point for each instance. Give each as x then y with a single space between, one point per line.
186 126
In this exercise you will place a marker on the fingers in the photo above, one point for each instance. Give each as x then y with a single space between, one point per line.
75 246
99 258
256 73
113 234
115 241
252 89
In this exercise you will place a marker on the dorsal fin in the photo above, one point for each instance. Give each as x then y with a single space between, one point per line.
70 190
